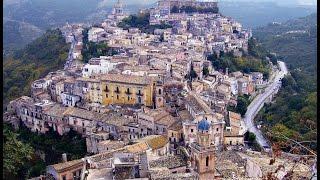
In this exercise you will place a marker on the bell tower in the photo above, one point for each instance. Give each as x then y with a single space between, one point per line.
203 152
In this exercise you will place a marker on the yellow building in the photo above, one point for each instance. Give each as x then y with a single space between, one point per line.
127 89
94 91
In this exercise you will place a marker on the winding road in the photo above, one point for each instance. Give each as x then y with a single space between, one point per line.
258 103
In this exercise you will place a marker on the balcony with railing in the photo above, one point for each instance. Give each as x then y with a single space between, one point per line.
117 91
139 93
128 92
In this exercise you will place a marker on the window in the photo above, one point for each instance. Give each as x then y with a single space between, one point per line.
217 129
128 98
64 177
172 134
207 161
117 96
230 142
191 130
117 89
159 91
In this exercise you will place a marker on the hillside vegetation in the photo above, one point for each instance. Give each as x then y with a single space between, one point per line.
26 154
293 114
141 21
252 61
45 54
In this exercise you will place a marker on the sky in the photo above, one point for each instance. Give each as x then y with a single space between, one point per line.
282 2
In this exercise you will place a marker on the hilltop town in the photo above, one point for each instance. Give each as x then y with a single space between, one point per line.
152 106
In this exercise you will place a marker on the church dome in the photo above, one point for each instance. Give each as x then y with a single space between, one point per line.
203 125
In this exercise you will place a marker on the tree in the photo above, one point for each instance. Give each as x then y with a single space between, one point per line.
251 137
16 154
174 9
205 71
242 104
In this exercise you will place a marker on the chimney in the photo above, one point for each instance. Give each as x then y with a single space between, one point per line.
64 157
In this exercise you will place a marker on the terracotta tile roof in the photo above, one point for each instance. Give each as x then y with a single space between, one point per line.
170 162
105 155
112 143
57 110
109 118
234 119
121 78
166 120
137 148
176 126
87 79
185 115
197 104
224 89
61 166
155 141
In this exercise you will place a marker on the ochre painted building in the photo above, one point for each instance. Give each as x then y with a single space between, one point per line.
125 89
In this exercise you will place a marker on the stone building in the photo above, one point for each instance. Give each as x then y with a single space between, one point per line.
203 152
124 89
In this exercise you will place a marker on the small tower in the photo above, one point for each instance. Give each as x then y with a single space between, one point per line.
159 95
203 152
118 9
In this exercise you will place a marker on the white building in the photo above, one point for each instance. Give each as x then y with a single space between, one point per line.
257 78
94 34
98 66
233 85
69 99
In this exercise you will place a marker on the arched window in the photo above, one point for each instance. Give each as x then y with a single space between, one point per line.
207 161
159 91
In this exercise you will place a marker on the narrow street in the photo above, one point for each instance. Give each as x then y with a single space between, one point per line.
258 103
70 57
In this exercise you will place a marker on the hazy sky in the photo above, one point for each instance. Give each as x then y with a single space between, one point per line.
291 2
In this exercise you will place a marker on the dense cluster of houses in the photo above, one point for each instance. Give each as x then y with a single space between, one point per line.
137 109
